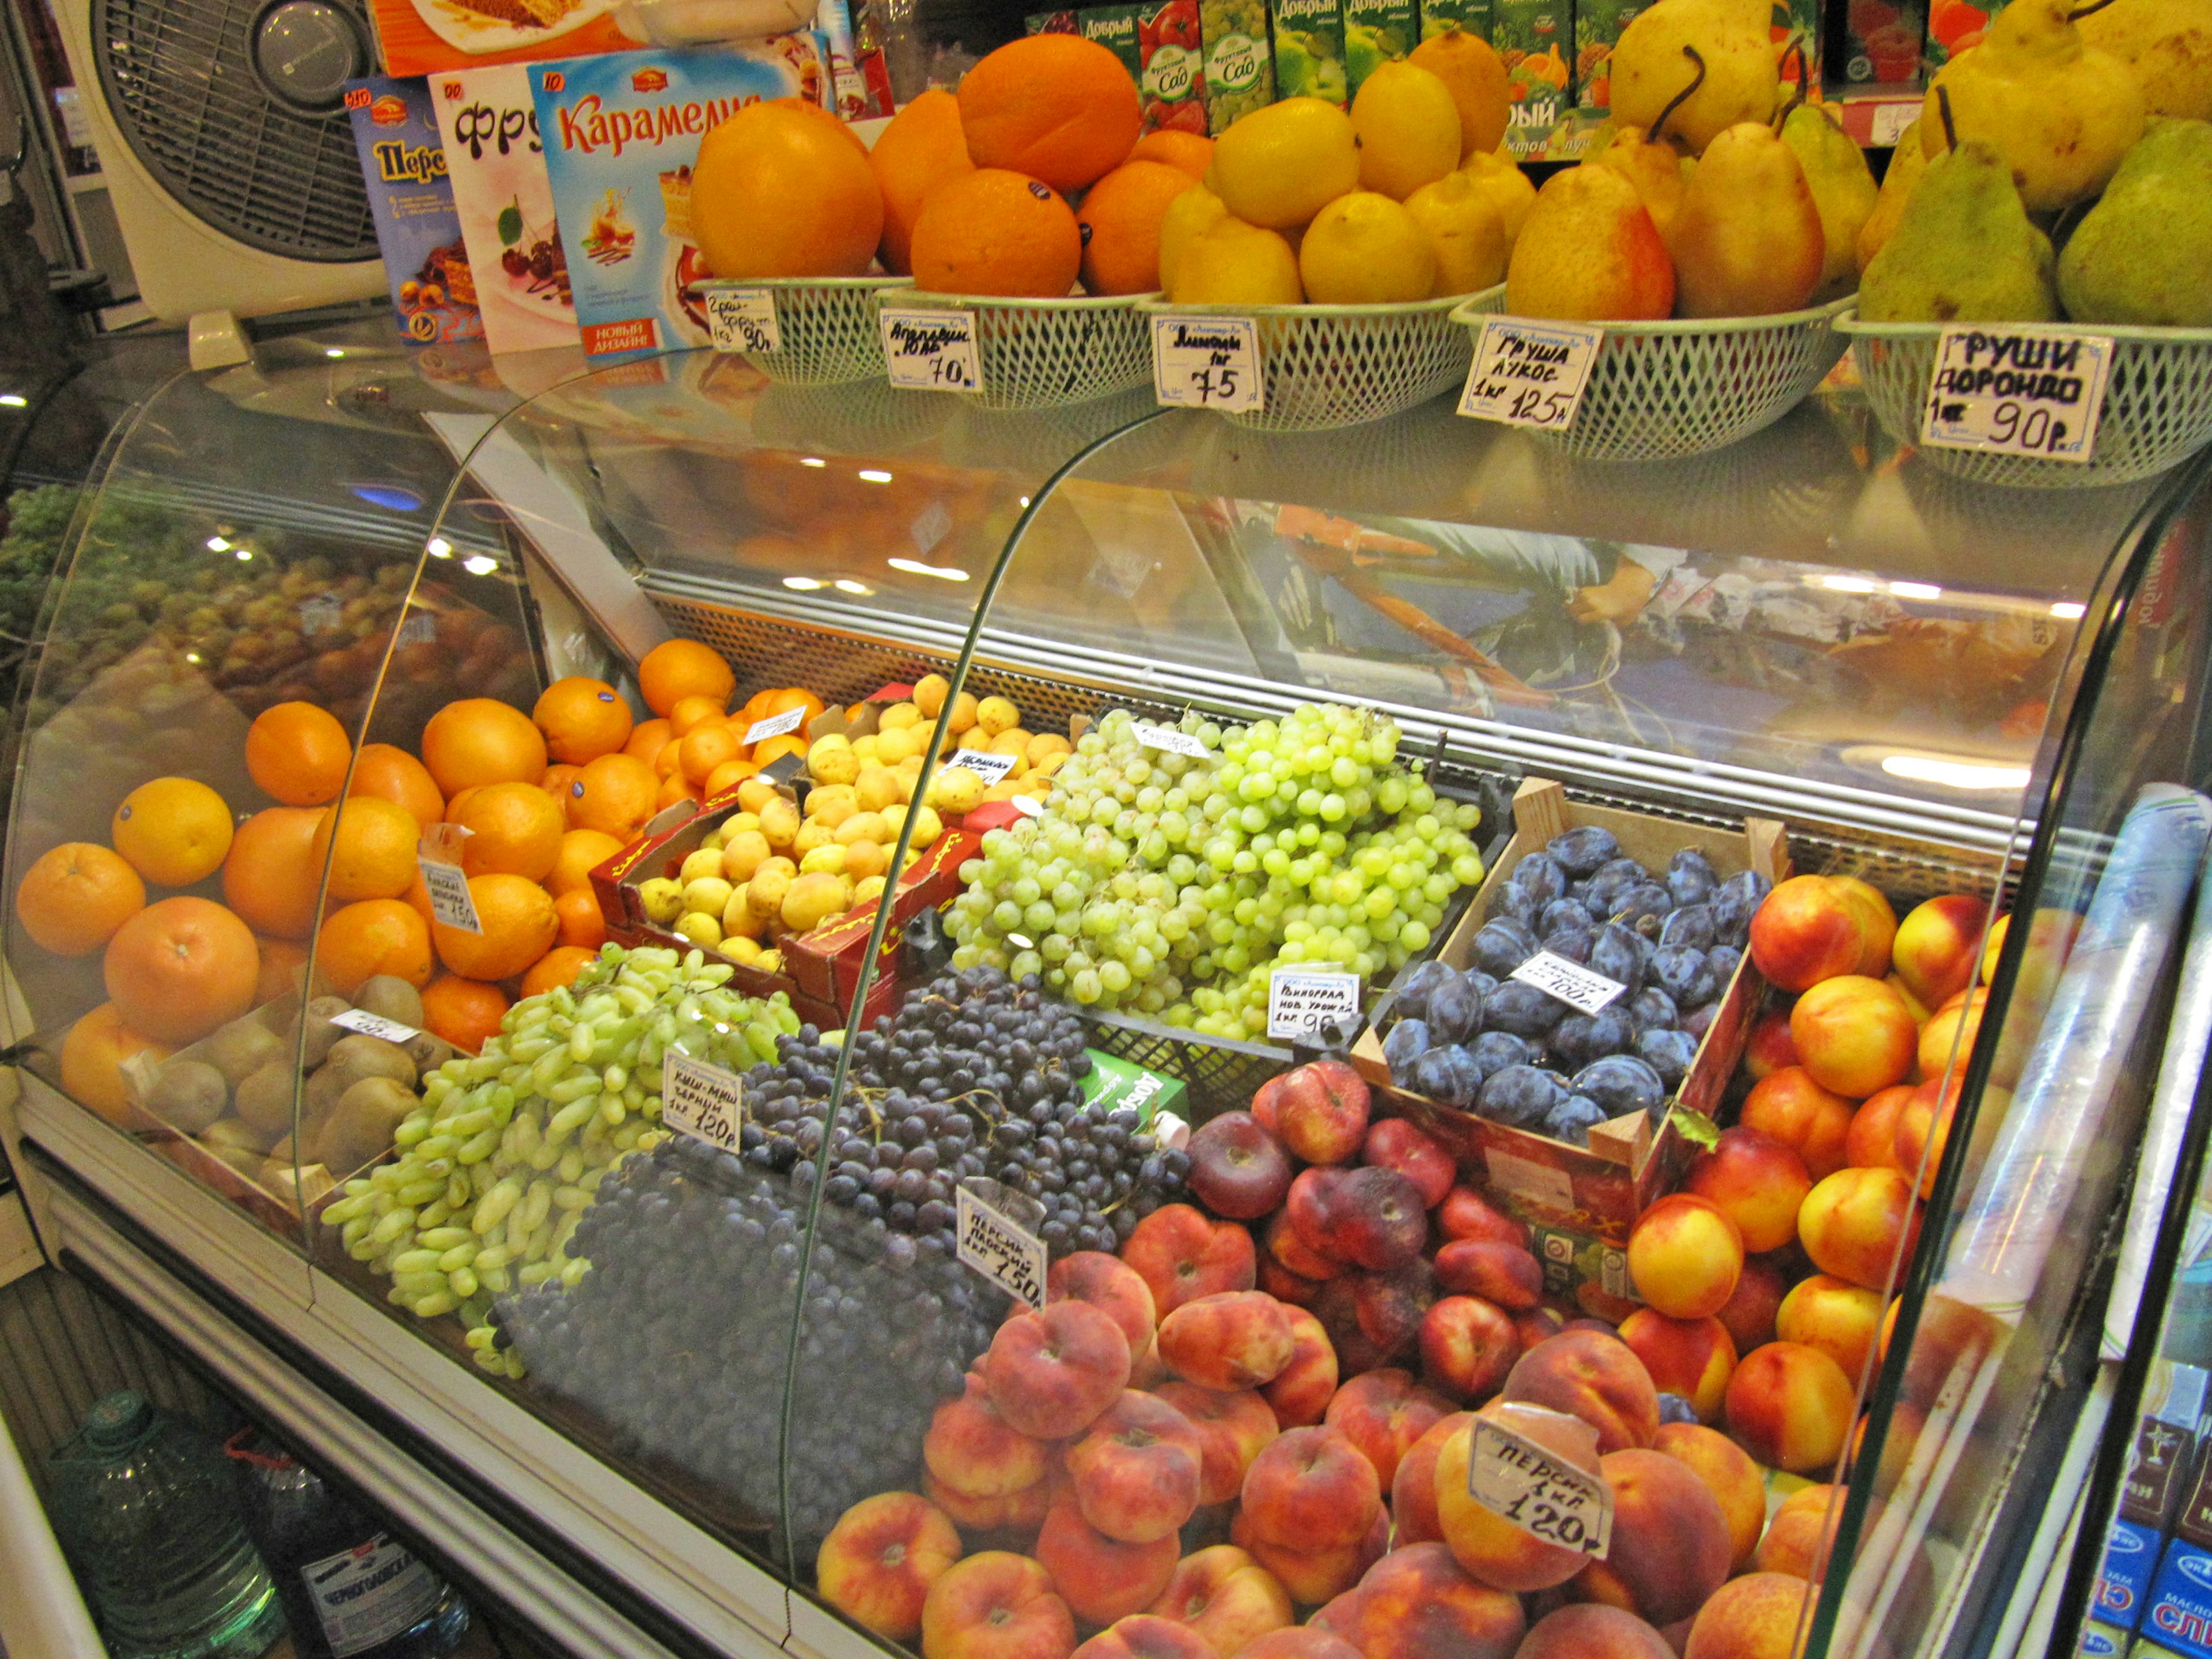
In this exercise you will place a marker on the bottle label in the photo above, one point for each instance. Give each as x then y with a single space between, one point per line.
370 1594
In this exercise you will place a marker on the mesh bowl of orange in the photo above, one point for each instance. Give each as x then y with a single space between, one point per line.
1049 354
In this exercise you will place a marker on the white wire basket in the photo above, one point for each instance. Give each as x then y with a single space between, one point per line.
1048 354
2157 410
825 326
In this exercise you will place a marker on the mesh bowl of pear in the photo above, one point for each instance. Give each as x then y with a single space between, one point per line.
2060 175
1349 237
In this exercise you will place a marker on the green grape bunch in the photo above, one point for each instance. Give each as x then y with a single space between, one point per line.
1170 885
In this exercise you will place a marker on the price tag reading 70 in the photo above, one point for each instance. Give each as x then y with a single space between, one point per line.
1207 362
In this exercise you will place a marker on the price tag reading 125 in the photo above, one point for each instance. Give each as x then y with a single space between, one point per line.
2015 389
743 320
999 1247
702 1100
1529 374
1539 1491
1207 362
930 350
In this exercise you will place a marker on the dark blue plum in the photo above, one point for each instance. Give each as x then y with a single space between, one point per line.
1564 913
1411 1002
1572 1120
1643 907
1691 925
1733 906
1570 1041
1673 1408
1669 1053
1691 876
1614 953
1521 907
1407 1042
1502 945
1620 1083
1494 1051
1653 1010
1520 1096
1454 1011
1481 983
1538 876
1611 881
1584 851
1722 960
1572 942
1684 974
1522 1010
1581 1038
1447 1074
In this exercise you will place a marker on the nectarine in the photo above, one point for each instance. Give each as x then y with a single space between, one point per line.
1790 1407
1685 1254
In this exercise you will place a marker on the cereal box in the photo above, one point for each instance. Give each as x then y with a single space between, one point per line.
1308 49
417 230
1240 76
620 135
505 199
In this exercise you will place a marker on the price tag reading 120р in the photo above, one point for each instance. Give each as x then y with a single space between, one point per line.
930 350
702 1100
1207 362
2015 389
1529 374
1539 1491
999 1247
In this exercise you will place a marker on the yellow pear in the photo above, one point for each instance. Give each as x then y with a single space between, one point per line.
1501 184
1407 123
2059 113
1279 165
1230 263
1590 253
1843 188
1747 241
2169 42
1718 52
1187 215
1907 163
1655 170
1364 249
1465 230
1471 67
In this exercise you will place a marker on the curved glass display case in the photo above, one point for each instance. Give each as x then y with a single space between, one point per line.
1349 663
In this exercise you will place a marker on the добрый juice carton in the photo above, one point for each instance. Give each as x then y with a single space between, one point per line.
1240 75
1439 16
1309 36
1376 33
1534 38
1598 26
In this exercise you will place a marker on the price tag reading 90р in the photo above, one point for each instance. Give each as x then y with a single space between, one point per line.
702 1100
1569 982
1538 1490
1175 741
1300 1000
990 768
930 350
450 904
1207 362
743 320
999 1247
775 725
1529 374
2017 389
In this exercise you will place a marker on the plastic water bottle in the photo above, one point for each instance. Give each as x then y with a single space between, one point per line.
145 1512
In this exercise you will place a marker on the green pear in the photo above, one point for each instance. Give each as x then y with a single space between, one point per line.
1843 188
2143 256
1964 250
2169 42
1747 241
1907 163
2060 113
1732 69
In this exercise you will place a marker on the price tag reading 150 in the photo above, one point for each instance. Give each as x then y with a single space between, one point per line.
1539 1491
999 1247
1207 362
1529 374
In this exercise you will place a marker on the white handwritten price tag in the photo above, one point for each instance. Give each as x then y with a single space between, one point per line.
1568 981
775 725
1301 1000
702 1100
1529 374
1890 121
1207 362
2017 389
989 767
743 320
450 904
1539 1491
375 1026
999 1247
1173 739
930 350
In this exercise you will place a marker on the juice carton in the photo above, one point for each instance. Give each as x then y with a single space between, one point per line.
1472 15
1172 82
1309 36
621 133
1240 76
504 200
1114 27
417 230
1881 41
1534 39
1955 25
1376 33
1796 30
1598 26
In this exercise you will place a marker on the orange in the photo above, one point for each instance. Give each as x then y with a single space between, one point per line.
417 896
771 749
1476 75
375 842
178 969
782 699
1120 218
376 936
684 668
457 804
173 831
513 827
582 852
615 795
482 740
728 775
784 189
582 923
557 968
647 737
997 233
921 148
298 753
1056 106
381 770
281 962
706 747
690 713
92 1061
582 718
273 871
670 760
518 926
556 784
675 787
466 1013
73 898
1192 152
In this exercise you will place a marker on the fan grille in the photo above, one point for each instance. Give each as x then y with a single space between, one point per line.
178 78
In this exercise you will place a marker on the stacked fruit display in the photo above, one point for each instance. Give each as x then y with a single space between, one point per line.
1172 884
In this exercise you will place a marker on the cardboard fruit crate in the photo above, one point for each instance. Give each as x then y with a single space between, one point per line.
1580 1202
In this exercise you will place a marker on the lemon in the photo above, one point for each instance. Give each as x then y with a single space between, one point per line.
1407 124
1231 263
1279 165
957 790
1465 230
1365 249
1507 189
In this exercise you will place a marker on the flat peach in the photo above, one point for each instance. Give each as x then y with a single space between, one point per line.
1489 1548
1595 1377
1313 1576
1299 1642
1136 1469
1014 1512
1233 1429
1468 1345
1300 1393
1181 1256
1109 1285
1503 1273
1466 1213
996 1605
1227 1596
975 1452
1415 1603
1050 1373
1311 1489
1413 1489
1592 1631
1734 1480
1670 1547
1382 1413
1103 1579
1141 1636
1230 1340
878 1562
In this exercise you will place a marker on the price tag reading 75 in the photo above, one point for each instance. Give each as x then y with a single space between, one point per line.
1529 374
1207 362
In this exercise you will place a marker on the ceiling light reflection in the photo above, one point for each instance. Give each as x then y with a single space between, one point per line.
2068 611
480 565
1916 590
803 583
916 567
846 585
875 474
1980 775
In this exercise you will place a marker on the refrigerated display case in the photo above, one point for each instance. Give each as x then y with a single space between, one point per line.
1932 686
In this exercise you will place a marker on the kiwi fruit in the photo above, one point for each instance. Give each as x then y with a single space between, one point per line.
242 1047
391 998
355 1057
360 1127
265 1105
429 1052
189 1095
322 1036
237 1145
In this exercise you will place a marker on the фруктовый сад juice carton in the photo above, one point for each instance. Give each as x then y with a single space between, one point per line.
1534 38
1955 25
1882 42
1240 75
1376 33
1309 36
1171 86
